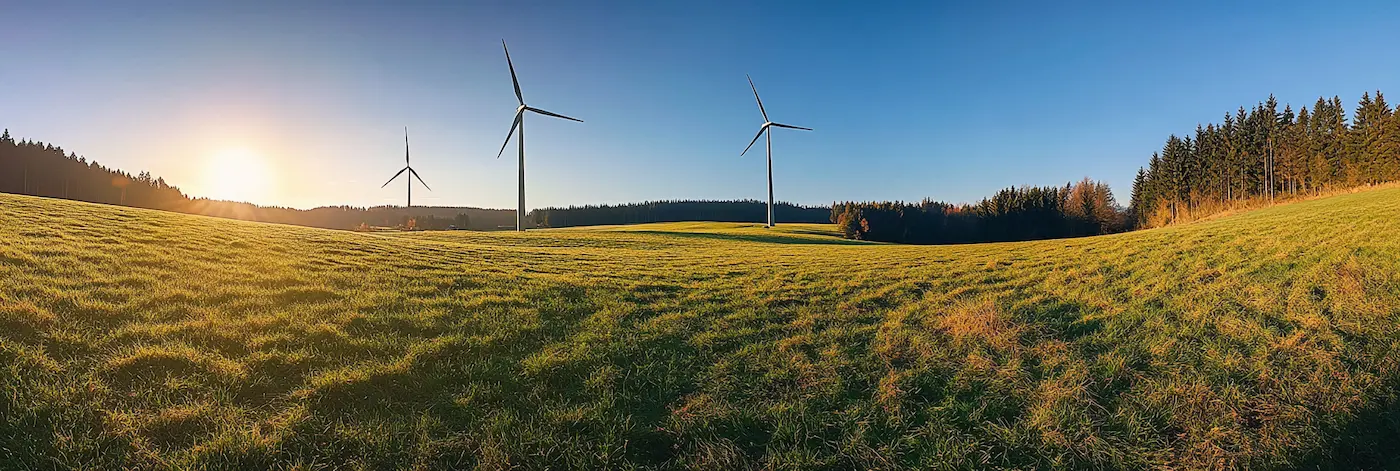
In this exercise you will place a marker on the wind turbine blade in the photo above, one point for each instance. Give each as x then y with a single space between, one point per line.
513 80
391 179
789 126
511 133
556 115
420 179
756 98
755 139
405 146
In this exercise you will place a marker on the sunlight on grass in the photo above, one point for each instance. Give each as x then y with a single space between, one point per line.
134 338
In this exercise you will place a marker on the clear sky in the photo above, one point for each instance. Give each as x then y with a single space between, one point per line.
909 99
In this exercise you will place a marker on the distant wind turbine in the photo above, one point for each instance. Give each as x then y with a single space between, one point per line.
520 139
767 123
407 168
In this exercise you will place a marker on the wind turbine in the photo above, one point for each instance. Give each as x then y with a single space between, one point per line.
767 123
520 139
407 168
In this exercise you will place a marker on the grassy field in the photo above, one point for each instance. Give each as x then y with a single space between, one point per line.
142 339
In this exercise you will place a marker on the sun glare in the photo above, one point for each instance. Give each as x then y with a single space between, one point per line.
237 174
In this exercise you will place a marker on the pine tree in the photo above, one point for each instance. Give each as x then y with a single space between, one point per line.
1384 145
1290 143
1239 158
1393 144
1272 122
1359 140
1135 202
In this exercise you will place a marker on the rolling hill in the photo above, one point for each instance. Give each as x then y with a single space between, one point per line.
145 339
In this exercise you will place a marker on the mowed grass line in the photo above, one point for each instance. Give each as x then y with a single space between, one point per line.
143 339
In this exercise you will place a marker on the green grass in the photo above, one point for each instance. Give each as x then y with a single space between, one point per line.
142 339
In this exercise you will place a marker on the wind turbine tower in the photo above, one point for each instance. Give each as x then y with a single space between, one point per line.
407 168
519 124
768 124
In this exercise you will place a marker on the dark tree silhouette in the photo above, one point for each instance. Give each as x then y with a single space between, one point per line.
1026 213
32 168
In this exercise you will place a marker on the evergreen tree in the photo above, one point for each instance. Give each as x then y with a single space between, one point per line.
1135 202
1389 148
1380 141
1263 152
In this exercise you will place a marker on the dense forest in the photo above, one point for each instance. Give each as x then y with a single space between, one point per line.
1264 153
675 211
39 169
1024 213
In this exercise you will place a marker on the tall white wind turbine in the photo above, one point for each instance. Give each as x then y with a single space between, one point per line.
520 139
407 168
767 125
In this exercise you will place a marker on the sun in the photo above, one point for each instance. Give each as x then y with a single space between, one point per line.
237 174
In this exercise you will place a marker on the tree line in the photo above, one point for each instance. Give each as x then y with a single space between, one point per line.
676 211
41 169
1266 153
1012 214
1256 153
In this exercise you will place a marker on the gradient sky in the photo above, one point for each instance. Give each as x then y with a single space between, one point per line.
908 99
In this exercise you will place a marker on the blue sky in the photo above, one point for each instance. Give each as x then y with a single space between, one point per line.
908 99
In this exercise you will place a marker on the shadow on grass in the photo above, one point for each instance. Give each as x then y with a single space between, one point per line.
765 239
815 232
1368 442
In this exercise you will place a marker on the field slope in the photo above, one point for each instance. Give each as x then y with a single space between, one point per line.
143 339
